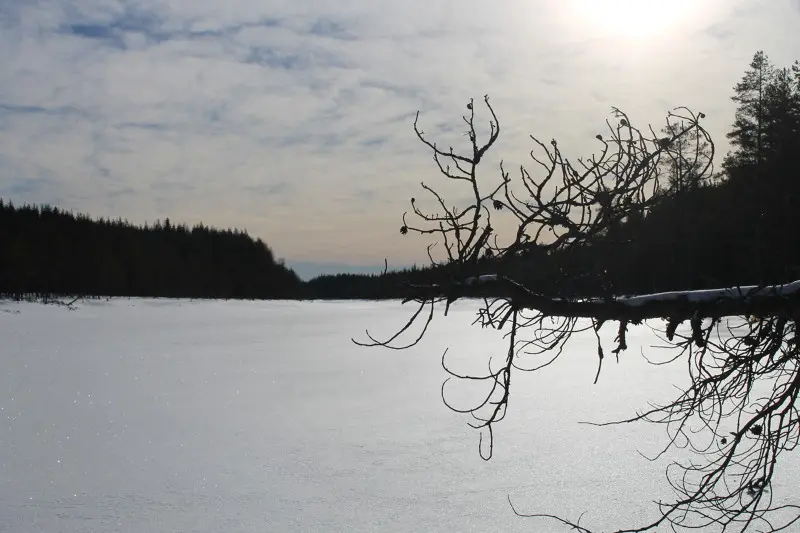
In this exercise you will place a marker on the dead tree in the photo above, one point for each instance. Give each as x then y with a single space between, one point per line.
740 343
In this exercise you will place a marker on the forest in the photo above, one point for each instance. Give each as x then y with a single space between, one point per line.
738 227
50 253
616 242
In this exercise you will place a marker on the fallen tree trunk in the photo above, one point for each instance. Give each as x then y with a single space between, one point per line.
741 407
772 300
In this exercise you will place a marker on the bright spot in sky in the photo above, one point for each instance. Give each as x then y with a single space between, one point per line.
632 18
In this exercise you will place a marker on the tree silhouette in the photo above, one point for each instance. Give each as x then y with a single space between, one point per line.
750 127
739 412
685 158
50 253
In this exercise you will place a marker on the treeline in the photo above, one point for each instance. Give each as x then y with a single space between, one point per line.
741 228
389 285
47 252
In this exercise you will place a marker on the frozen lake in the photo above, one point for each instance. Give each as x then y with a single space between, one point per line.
148 416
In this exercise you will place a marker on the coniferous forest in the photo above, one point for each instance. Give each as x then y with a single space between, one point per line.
48 252
741 228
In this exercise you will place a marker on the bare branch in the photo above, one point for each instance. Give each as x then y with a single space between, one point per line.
739 412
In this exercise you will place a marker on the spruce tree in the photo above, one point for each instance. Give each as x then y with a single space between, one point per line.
685 159
748 134
779 117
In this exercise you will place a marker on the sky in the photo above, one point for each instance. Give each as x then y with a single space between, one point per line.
294 119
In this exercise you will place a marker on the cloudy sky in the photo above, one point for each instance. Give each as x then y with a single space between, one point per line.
293 119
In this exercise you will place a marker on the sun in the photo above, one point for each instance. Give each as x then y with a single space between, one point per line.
631 18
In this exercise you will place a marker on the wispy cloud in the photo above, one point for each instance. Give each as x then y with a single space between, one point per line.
293 119
9 109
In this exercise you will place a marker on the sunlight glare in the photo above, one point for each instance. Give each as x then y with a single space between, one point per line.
631 18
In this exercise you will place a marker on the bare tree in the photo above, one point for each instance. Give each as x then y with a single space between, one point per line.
740 343
684 158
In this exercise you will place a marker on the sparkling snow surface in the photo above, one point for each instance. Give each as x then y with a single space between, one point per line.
148 416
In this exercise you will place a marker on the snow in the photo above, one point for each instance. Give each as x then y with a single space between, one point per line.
706 295
709 295
165 415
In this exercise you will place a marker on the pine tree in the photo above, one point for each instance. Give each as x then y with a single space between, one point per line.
748 134
685 158
794 146
780 117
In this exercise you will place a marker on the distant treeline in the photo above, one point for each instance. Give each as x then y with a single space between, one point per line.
51 253
48 252
742 228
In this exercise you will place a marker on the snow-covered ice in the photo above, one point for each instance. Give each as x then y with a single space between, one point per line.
164 415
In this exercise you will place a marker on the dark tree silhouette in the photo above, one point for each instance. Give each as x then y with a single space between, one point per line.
685 158
749 128
586 221
49 253
767 116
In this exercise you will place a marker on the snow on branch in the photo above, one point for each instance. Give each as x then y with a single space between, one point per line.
710 303
571 205
714 295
